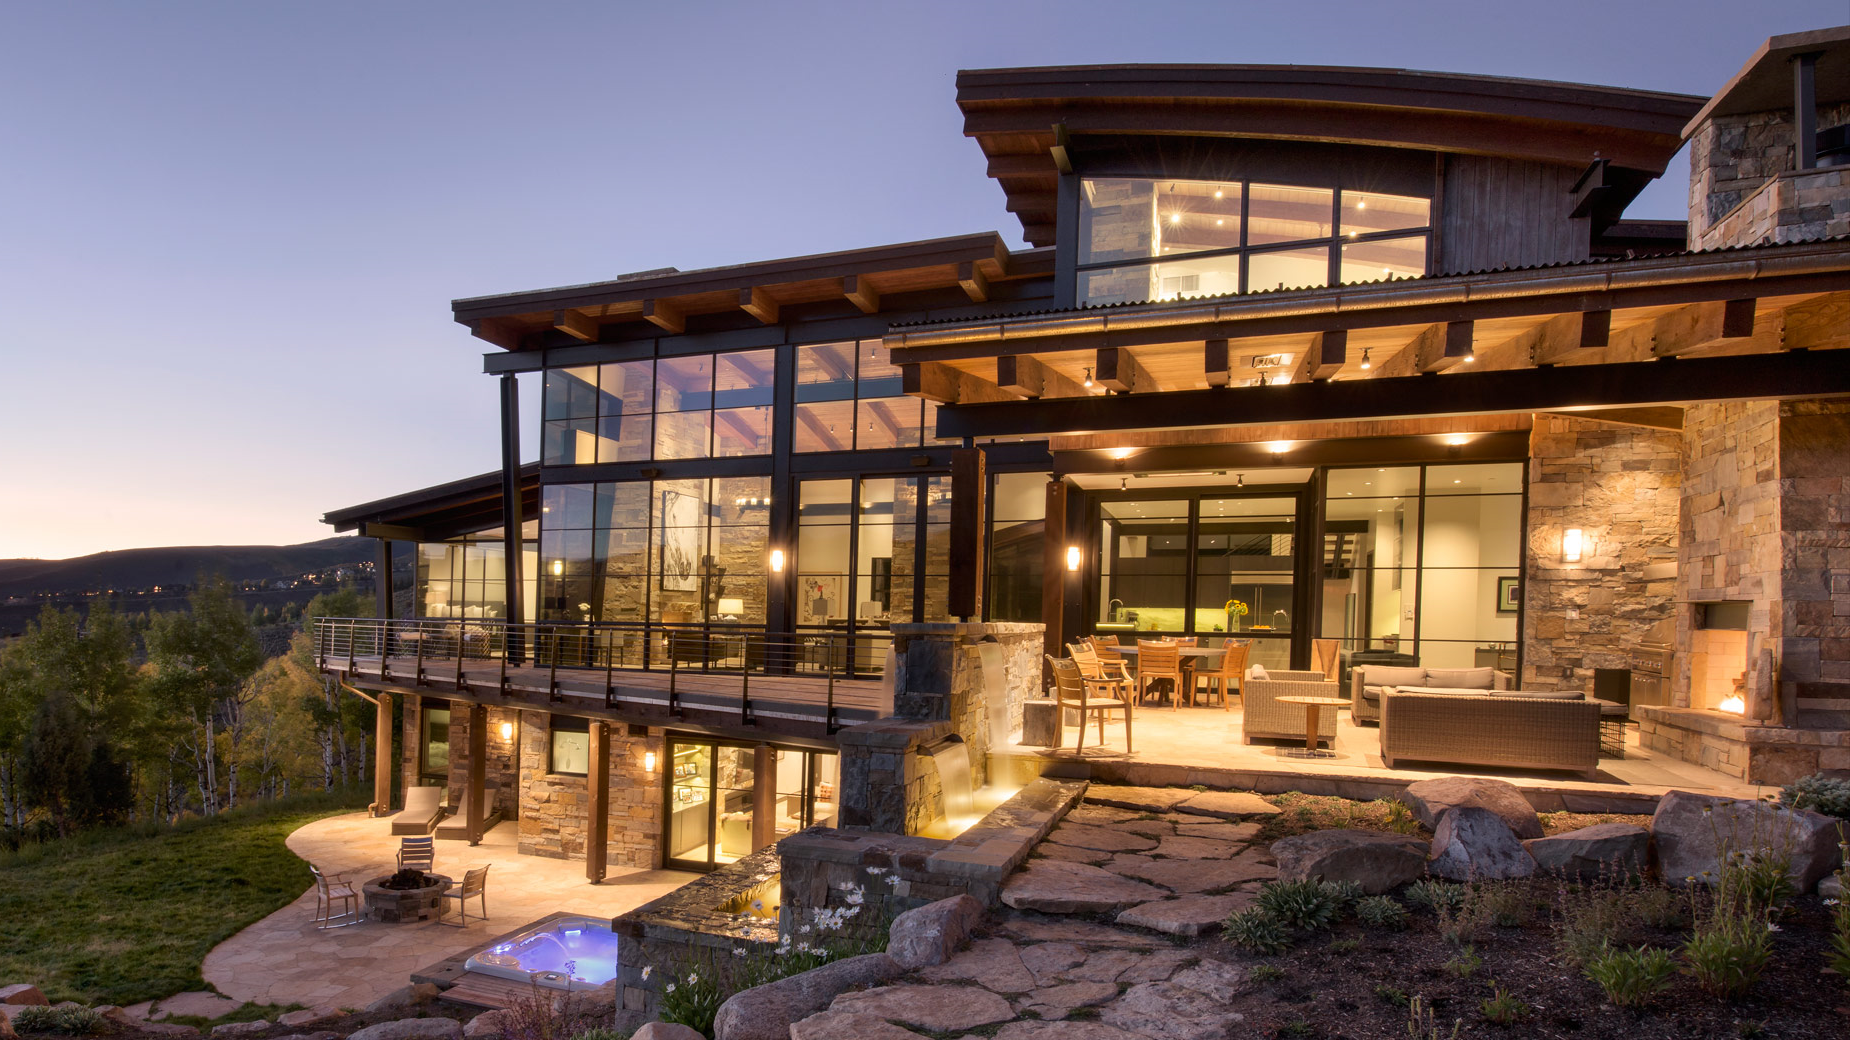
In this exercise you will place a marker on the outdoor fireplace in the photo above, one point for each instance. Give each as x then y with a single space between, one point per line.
1718 658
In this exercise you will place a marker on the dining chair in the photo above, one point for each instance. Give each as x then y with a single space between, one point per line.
1074 691
1159 661
1093 669
1226 675
1111 663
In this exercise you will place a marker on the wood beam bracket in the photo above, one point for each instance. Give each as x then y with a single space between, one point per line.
1217 362
937 381
1323 358
664 315
1118 369
576 324
754 301
1027 376
1697 327
861 293
973 281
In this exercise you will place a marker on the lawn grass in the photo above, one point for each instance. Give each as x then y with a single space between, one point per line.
122 916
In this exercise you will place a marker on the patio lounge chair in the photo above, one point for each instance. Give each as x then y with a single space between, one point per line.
417 854
423 808
474 885
331 889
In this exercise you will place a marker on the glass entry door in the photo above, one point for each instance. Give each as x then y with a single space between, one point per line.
711 792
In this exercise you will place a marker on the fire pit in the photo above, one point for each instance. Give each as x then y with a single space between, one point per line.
409 895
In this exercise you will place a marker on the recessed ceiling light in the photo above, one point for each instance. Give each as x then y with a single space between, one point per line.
1175 218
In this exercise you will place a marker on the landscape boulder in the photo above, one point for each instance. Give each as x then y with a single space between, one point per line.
939 1009
114 1013
412 1029
22 993
487 1024
311 1016
1616 849
233 1030
1691 830
1376 860
1476 845
931 934
766 1012
1831 888
1429 800
405 997
844 1025
666 1031
1059 887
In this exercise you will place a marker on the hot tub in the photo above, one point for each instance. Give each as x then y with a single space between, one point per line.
568 953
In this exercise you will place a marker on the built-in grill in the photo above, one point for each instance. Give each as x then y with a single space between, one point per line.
1650 676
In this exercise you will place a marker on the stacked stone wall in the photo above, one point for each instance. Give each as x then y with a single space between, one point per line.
1619 485
1814 533
501 776
554 806
1732 159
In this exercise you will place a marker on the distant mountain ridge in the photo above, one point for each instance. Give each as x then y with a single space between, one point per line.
178 565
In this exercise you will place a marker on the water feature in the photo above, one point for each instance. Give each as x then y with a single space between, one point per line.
952 757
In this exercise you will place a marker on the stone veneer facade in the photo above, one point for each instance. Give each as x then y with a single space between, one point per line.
1744 188
553 805
1619 485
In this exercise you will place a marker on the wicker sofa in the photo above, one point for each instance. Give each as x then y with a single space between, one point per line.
1368 680
1264 717
1496 728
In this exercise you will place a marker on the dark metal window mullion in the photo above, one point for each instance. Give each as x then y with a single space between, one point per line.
1189 560
919 513
1419 556
1335 273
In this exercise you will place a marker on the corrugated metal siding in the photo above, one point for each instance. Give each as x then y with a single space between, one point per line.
1508 213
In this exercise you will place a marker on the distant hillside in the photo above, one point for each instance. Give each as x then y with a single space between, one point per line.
177 565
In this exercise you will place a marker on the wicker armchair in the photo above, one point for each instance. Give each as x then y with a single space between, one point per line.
1266 718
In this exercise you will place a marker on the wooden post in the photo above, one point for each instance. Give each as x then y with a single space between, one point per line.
968 487
1054 575
382 749
597 805
478 771
764 796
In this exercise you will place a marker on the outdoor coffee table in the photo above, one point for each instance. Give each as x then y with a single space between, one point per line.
1313 707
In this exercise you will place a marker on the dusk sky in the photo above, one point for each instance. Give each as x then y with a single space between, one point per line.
230 232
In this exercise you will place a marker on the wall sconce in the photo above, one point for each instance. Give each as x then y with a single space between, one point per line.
1279 447
1573 540
648 761
1072 557
558 568
507 731
777 561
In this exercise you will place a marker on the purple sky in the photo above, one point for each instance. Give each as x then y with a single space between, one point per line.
230 232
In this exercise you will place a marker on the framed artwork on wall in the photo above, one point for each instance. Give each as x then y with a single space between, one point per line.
680 542
1509 594
819 597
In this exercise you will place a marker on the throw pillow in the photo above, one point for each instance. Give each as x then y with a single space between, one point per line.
1256 672
1390 675
1460 678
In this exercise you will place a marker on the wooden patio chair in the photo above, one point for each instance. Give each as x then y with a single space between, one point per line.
1325 657
1111 664
1157 661
1076 692
474 885
1225 676
417 854
331 889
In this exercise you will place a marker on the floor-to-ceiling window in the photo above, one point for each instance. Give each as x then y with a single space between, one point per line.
713 798
1017 546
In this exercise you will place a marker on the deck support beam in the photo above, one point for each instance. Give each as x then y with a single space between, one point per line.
861 293
1697 327
974 283
597 805
1323 358
478 772
764 796
576 324
937 381
1118 369
758 303
1025 375
382 754
664 315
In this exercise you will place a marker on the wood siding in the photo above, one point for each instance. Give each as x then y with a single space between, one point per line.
1508 213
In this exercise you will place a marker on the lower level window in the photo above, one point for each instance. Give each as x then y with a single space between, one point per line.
571 745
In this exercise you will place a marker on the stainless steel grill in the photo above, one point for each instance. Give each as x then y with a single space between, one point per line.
1651 663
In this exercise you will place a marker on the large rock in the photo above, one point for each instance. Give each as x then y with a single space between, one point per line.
1145 799
1059 1001
1029 1029
939 1009
995 963
489 1024
114 1013
1831 888
1690 839
403 998
1058 887
23 993
1617 849
1189 915
1178 847
198 1003
412 1029
767 1012
234 1030
836 1025
1193 1005
1373 859
312 1016
1476 845
1429 800
932 933
666 1031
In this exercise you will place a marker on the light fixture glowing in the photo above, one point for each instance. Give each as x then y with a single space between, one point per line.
648 761
1471 357
777 561
558 567
1361 204
1458 440
1278 447
507 731
1366 364
1072 557
1088 378
1175 218
1217 193
1573 540
1218 222
1121 453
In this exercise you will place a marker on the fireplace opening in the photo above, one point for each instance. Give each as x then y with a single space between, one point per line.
1718 657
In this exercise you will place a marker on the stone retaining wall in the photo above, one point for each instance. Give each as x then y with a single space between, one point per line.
700 923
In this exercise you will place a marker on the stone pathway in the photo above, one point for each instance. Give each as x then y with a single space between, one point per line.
1151 860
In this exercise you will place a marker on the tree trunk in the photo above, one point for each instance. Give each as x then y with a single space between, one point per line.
234 729
9 797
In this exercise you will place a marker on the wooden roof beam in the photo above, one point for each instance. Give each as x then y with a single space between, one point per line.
1406 360
1217 362
1118 369
973 281
665 316
820 429
1567 335
576 324
861 293
1323 358
1820 323
759 304
1027 376
937 381
1696 327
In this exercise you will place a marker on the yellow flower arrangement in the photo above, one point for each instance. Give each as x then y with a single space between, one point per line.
1235 608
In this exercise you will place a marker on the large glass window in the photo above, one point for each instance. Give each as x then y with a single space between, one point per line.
1017 546
434 742
848 397
692 407
713 798
571 746
463 578
1143 239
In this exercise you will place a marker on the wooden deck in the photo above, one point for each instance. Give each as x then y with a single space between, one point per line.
798 705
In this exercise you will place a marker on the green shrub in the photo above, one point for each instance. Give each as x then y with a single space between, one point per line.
1632 978
1257 931
1658 907
1308 904
1392 994
1265 973
1727 953
1819 793
71 1021
1435 895
1399 818
1380 912
1344 892
1502 1007
1590 921
1464 964
692 1000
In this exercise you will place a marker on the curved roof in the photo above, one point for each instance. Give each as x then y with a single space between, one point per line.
1012 114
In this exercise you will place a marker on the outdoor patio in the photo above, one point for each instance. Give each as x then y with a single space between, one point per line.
1204 745
286 959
